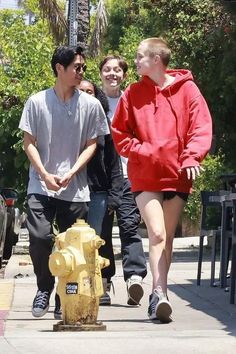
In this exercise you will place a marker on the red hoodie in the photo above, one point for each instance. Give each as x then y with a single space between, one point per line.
162 131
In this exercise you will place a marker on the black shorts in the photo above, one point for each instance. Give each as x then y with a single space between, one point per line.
168 195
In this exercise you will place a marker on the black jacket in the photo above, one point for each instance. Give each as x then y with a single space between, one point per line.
105 171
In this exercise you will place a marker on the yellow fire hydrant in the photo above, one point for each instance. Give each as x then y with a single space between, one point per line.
77 265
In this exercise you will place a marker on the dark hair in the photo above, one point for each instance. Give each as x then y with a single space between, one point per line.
121 62
100 95
65 55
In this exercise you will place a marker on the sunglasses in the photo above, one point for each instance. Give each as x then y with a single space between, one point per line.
80 67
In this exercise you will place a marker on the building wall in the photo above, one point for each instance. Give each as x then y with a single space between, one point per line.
9 4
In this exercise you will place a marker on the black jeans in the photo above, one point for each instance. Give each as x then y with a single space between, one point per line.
41 213
128 219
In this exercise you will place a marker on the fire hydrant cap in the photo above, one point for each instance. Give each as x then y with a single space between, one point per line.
60 263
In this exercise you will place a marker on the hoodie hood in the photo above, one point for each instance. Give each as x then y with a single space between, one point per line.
180 75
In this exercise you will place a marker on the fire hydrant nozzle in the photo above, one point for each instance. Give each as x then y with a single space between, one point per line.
97 242
61 263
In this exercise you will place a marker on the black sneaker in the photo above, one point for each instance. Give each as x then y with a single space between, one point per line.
159 307
105 299
57 309
41 303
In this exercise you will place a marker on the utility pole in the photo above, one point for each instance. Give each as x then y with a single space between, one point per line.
72 22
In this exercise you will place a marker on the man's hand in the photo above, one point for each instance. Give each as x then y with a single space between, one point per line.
192 172
52 182
65 180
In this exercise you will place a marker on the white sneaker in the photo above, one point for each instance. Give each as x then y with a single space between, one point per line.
159 307
134 289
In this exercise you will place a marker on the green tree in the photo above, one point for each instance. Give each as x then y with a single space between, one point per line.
202 35
53 11
214 166
25 68
60 24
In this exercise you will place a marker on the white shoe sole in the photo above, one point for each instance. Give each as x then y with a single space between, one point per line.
164 311
135 294
41 313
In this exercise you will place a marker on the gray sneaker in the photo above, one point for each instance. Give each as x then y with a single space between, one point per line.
105 299
134 290
57 309
159 307
41 303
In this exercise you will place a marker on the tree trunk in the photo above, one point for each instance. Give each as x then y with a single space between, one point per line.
83 23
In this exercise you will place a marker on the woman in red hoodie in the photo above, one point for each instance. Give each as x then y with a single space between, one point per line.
163 125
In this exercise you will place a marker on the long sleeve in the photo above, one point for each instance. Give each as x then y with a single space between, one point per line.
123 135
114 173
199 135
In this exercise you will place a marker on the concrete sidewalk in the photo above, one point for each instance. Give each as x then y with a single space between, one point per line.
204 321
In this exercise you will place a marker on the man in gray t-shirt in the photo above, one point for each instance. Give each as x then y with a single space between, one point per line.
61 125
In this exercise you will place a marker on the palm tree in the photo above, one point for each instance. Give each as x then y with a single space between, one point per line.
29 13
56 18
62 28
99 29
58 23
54 14
83 22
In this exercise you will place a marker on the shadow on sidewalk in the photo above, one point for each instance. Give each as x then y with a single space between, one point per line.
212 301
183 255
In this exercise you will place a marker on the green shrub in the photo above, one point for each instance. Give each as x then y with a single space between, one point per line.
208 180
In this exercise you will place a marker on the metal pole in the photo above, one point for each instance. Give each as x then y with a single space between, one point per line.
72 22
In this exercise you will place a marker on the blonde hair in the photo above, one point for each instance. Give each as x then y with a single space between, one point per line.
157 46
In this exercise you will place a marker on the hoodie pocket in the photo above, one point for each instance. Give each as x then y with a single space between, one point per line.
160 159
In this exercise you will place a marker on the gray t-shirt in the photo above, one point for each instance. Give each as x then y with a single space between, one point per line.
61 131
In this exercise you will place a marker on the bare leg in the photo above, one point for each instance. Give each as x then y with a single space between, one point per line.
150 206
172 210
161 218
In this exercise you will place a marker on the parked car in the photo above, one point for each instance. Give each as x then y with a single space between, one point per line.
13 221
3 226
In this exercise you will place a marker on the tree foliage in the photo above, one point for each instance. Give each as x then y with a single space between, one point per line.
202 35
25 57
214 167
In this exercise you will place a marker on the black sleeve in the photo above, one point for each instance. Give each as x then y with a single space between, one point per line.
114 173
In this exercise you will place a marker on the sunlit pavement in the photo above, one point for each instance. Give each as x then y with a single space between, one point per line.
203 319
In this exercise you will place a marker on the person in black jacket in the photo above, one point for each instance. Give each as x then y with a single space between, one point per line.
113 71
105 180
